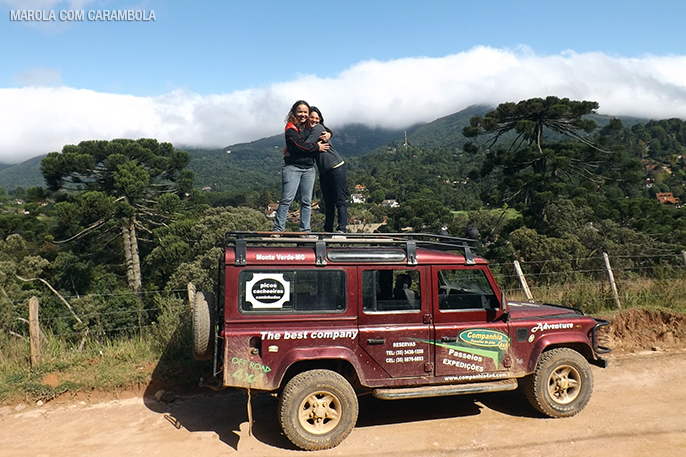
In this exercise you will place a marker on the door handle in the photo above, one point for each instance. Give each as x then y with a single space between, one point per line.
448 339
371 341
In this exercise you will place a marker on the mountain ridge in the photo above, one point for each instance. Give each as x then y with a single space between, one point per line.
257 164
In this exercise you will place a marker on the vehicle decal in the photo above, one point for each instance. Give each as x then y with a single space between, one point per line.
543 326
408 355
267 291
471 377
467 351
475 345
248 372
485 338
310 335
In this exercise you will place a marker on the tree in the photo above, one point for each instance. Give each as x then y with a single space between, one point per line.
125 182
529 118
421 215
191 248
534 170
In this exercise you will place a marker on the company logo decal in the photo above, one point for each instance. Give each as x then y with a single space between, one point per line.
486 338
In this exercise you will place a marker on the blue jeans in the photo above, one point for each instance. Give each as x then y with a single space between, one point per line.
293 178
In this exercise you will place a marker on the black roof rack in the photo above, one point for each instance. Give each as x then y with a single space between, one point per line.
407 241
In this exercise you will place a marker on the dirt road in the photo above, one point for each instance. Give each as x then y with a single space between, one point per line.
637 409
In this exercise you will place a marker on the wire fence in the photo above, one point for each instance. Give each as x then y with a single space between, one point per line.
583 282
639 280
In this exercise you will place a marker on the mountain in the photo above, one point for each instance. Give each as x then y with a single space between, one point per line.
446 132
26 174
257 164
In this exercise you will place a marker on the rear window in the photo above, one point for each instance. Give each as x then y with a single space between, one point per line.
390 291
292 291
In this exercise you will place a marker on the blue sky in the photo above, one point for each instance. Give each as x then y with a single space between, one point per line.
214 73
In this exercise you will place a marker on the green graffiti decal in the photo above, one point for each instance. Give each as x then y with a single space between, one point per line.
249 372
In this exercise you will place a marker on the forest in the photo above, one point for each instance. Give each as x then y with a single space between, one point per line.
120 227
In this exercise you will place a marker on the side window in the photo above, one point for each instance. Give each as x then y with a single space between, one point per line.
294 291
465 289
390 290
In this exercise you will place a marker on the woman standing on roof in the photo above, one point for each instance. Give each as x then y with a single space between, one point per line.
332 176
298 167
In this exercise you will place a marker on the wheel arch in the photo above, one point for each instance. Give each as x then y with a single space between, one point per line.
340 365
545 345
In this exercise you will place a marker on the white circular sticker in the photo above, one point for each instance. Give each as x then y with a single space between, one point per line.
267 290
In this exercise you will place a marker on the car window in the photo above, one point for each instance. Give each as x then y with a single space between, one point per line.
390 291
465 289
294 291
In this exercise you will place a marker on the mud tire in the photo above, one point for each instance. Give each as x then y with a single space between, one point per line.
317 409
562 384
203 322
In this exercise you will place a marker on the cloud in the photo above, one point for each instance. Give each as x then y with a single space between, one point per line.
395 93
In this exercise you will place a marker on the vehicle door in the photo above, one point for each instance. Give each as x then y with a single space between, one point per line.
471 339
394 319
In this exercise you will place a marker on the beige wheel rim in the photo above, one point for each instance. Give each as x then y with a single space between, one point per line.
320 412
564 384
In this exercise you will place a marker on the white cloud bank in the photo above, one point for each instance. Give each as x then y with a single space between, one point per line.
36 120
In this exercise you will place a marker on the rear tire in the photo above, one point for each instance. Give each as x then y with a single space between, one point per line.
562 384
203 322
317 409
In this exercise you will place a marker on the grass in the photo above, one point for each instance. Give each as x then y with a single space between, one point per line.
108 366
161 355
595 297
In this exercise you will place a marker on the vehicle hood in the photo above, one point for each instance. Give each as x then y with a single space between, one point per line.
526 310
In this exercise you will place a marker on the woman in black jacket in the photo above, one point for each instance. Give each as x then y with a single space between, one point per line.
332 175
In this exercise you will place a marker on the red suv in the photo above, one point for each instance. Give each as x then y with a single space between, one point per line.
320 319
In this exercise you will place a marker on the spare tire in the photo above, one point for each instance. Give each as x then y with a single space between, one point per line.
203 323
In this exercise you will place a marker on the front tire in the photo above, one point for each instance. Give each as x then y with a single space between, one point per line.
317 409
562 384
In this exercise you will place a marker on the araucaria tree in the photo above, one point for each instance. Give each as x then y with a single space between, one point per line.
127 182
543 150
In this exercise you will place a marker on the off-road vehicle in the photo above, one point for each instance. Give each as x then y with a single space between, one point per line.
320 319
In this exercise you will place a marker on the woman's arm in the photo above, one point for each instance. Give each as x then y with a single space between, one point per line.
294 142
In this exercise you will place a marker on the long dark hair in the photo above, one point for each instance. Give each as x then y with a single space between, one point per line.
291 114
321 117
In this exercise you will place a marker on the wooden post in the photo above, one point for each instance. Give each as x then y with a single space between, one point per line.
522 280
612 280
34 332
683 255
191 294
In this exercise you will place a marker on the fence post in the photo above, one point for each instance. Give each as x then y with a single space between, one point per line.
191 294
522 280
34 332
612 280
683 255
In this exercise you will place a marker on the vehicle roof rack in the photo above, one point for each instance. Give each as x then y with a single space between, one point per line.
408 241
